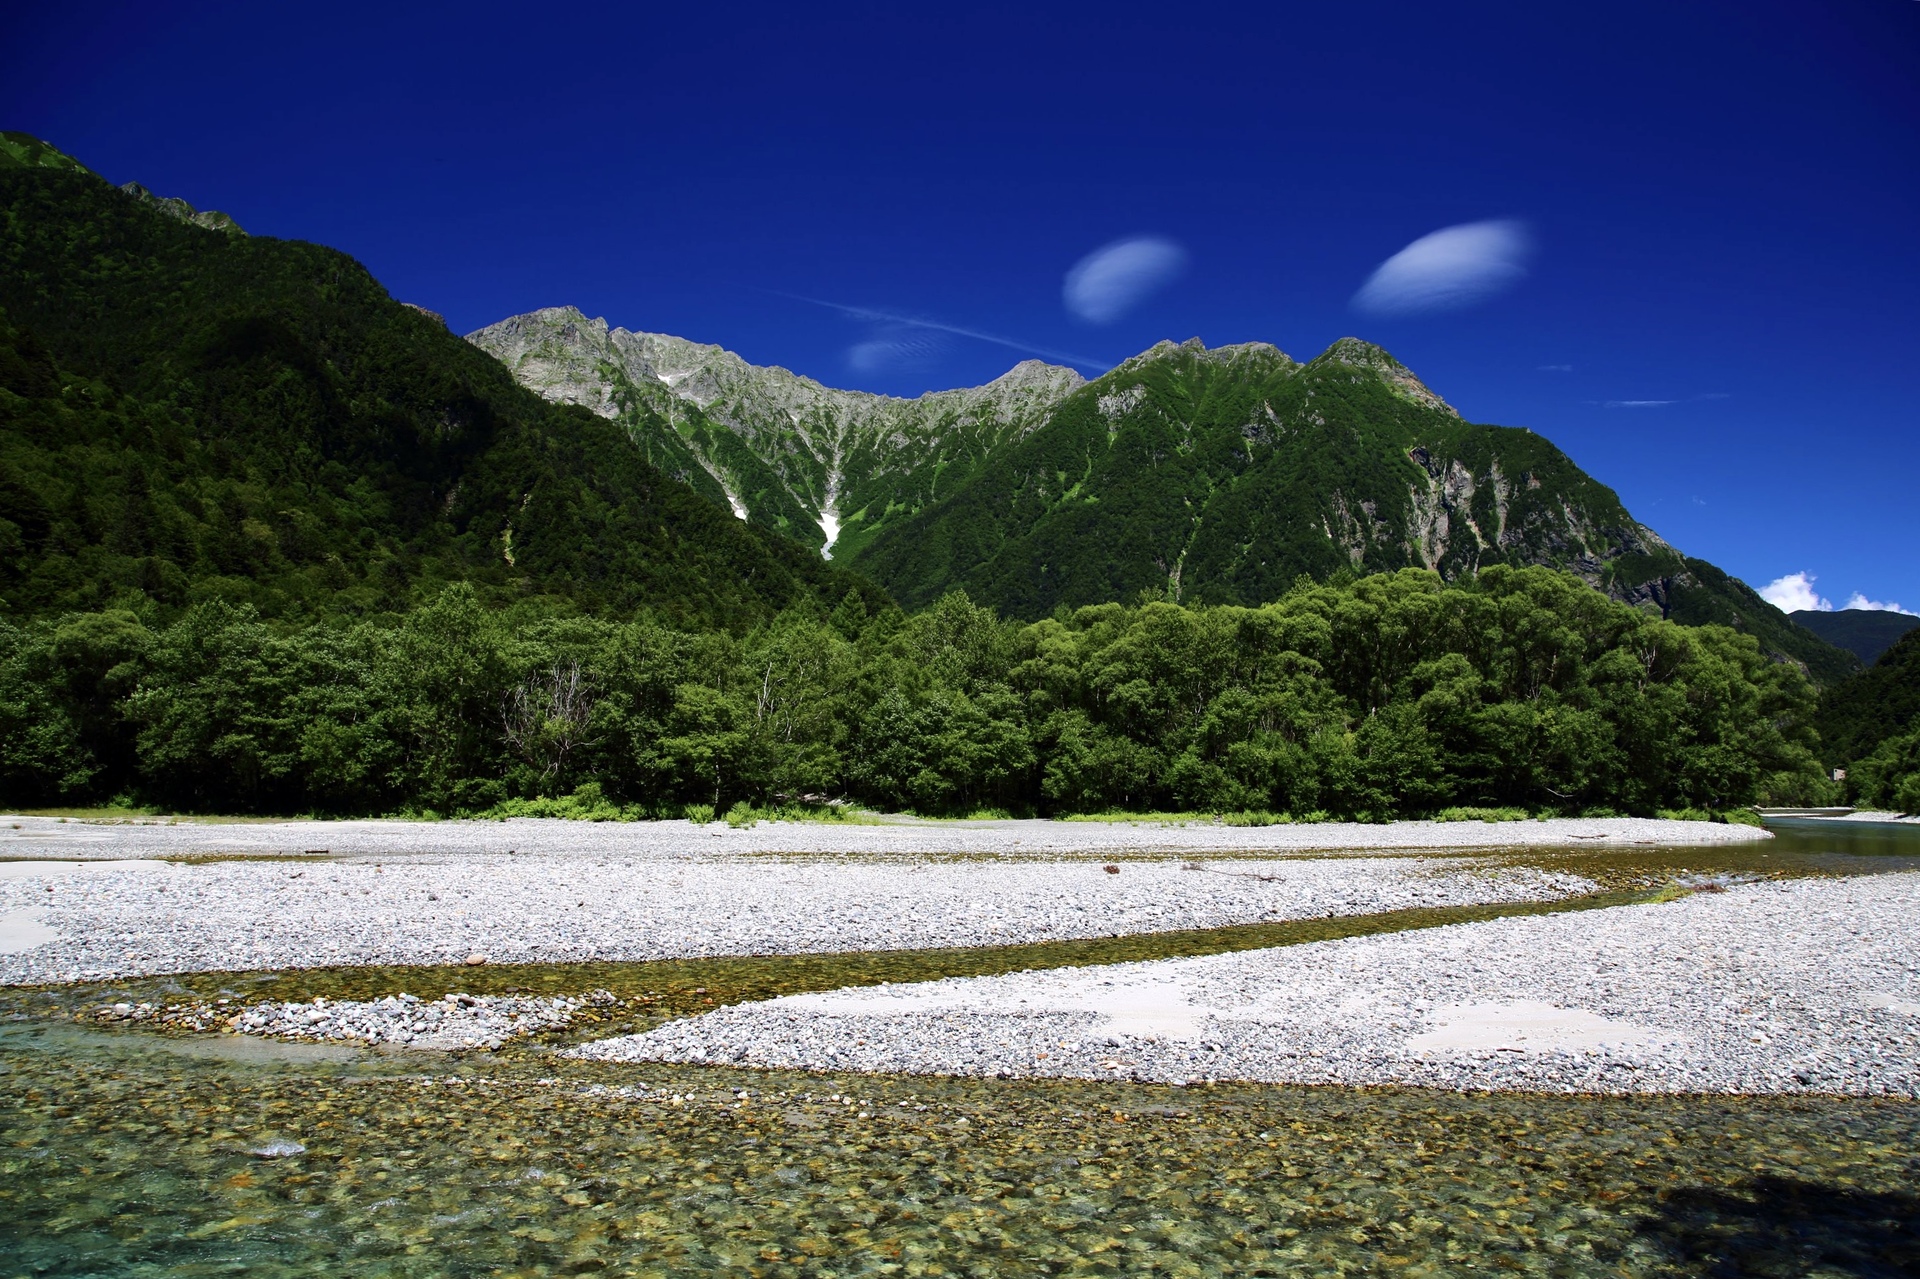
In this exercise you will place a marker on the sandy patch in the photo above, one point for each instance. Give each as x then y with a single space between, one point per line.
1527 1026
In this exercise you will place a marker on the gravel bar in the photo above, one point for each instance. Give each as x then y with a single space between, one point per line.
456 1021
44 837
1785 987
69 921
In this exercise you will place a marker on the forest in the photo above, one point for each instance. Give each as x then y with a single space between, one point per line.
274 542
1377 697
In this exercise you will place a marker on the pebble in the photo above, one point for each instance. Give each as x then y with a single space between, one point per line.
456 1021
572 892
1800 986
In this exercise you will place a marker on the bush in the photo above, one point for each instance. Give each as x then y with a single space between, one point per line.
699 814
1481 815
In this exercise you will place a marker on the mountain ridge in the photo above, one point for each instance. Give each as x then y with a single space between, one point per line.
1211 475
689 406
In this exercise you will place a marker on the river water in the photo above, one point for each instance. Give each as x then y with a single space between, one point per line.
124 1153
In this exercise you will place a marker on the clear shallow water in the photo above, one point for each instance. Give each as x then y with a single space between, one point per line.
123 1158
125 1154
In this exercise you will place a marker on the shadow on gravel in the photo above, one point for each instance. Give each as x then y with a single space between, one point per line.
1783 1226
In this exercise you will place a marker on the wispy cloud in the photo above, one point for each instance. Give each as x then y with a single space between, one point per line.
936 326
893 350
1110 281
1857 600
1794 593
1556 368
1451 268
1660 404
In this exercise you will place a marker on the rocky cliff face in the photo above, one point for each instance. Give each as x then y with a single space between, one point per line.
1210 475
830 467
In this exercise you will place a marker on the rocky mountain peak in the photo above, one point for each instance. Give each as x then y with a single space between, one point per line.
1233 353
1365 355
179 210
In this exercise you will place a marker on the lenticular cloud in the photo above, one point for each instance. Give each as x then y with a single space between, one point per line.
1109 282
1453 267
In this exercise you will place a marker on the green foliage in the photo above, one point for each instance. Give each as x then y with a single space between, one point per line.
1864 632
189 417
1880 703
1707 596
1223 476
1394 695
1466 814
24 151
1889 778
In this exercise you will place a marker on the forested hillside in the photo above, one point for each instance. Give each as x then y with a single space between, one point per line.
1870 725
272 541
1864 632
1395 695
1224 475
187 414
1196 475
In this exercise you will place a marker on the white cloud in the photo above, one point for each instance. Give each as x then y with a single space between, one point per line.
1794 593
1636 404
1109 282
1453 267
1556 368
1857 600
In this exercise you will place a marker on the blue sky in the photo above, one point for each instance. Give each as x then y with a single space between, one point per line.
1696 265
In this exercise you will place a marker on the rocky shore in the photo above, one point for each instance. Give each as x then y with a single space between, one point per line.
892 839
1796 986
68 922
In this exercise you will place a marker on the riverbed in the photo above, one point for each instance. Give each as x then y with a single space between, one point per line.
138 1148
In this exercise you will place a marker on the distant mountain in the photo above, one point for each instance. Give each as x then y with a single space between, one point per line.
1881 702
1207 475
190 413
1864 632
831 469
180 210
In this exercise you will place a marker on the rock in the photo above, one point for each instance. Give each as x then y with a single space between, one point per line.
476 959
277 1150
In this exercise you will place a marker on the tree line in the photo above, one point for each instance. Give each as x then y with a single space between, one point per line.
1393 695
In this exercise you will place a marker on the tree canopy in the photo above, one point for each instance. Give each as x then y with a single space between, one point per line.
1384 696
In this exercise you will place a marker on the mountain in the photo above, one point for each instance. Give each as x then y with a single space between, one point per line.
1864 632
180 210
832 469
1882 702
1210 476
187 412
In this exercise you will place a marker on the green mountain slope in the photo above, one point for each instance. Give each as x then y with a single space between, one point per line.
189 413
1206 476
830 468
1221 476
1881 702
1864 632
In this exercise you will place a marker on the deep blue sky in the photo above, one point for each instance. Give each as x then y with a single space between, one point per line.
1724 199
